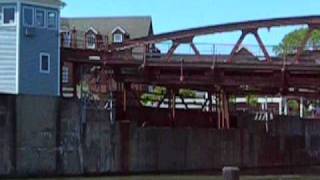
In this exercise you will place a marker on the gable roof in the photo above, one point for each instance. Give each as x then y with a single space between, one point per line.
244 55
119 28
136 27
244 52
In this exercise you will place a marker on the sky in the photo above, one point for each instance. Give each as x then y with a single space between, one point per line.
171 15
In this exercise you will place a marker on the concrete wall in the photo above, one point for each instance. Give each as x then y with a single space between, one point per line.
36 118
288 143
89 141
6 135
48 136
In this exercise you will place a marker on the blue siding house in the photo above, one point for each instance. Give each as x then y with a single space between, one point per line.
29 47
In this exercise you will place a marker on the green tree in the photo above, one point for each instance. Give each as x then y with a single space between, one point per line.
293 40
159 92
252 101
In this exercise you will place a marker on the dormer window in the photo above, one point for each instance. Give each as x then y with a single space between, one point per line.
118 38
91 38
118 35
91 41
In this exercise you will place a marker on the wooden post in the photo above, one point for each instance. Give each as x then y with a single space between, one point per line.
231 173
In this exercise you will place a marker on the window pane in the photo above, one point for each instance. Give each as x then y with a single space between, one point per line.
44 63
91 41
28 16
40 18
52 20
65 74
8 16
117 38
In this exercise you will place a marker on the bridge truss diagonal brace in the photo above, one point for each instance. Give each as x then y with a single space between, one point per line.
178 42
262 46
257 37
237 45
172 49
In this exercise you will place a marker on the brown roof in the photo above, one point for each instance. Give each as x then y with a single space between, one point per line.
136 27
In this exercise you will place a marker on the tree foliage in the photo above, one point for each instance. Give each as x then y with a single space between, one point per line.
159 92
252 101
293 40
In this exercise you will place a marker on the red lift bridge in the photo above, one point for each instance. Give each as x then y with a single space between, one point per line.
138 63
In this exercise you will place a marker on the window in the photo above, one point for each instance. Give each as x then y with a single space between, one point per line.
65 74
44 63
91 41
28 16
8 15
52 20
118 38
67 39
40 19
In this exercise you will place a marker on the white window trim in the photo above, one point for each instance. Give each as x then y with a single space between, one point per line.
120 29
49 59
23 17
117 34
47 20
15 15
44 18
91 46
93 30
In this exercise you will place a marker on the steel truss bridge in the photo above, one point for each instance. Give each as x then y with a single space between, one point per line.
139 62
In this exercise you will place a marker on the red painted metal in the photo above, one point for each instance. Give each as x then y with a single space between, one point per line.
262 46
207 73
240 26
195 50
237 45
172 49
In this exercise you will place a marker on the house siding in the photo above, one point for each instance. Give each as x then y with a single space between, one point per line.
42 40
8 48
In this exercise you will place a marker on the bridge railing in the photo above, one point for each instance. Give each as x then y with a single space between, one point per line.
204 51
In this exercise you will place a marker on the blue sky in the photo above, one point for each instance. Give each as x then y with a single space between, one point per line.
170 15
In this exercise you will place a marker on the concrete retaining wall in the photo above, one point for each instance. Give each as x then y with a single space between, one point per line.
288 143
36 118
88 140
48 136
6 135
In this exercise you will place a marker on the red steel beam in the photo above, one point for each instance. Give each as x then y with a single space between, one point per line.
195 50
237 45
262 46
229 27
171 51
